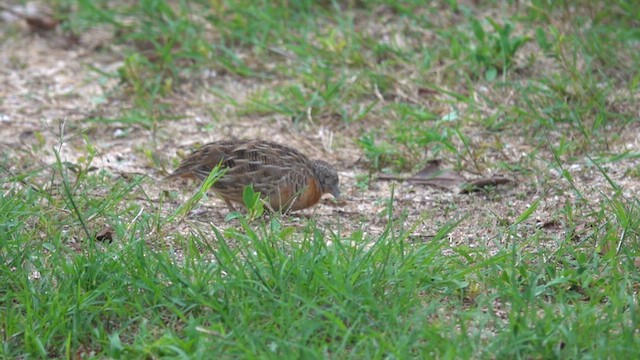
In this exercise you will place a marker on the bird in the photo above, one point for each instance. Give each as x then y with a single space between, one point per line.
286 179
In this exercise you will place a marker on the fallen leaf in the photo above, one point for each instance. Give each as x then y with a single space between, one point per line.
431 175
41 23
425 92
37 19
434 175
550 224
105 234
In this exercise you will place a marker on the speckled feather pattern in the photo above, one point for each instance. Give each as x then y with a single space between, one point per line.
283 175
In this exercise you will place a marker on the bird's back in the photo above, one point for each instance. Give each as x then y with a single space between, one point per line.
278 172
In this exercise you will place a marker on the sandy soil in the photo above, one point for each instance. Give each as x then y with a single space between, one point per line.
48 85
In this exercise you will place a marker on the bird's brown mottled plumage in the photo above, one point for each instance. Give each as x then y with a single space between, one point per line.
285 177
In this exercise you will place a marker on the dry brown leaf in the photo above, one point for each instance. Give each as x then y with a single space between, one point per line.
106 234
41 23
431 175
39 20
427 92
434 175
550 224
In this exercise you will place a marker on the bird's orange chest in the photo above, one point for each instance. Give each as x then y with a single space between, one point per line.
309 197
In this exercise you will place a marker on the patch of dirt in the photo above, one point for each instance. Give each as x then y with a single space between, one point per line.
48 91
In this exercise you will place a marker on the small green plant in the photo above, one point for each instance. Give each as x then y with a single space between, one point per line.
380 154
494 51
320 93
82 167
363 181
253 202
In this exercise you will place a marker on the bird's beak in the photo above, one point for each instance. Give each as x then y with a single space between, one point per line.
335 192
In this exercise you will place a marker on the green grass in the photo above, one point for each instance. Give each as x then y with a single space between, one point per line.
266 290
407 82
